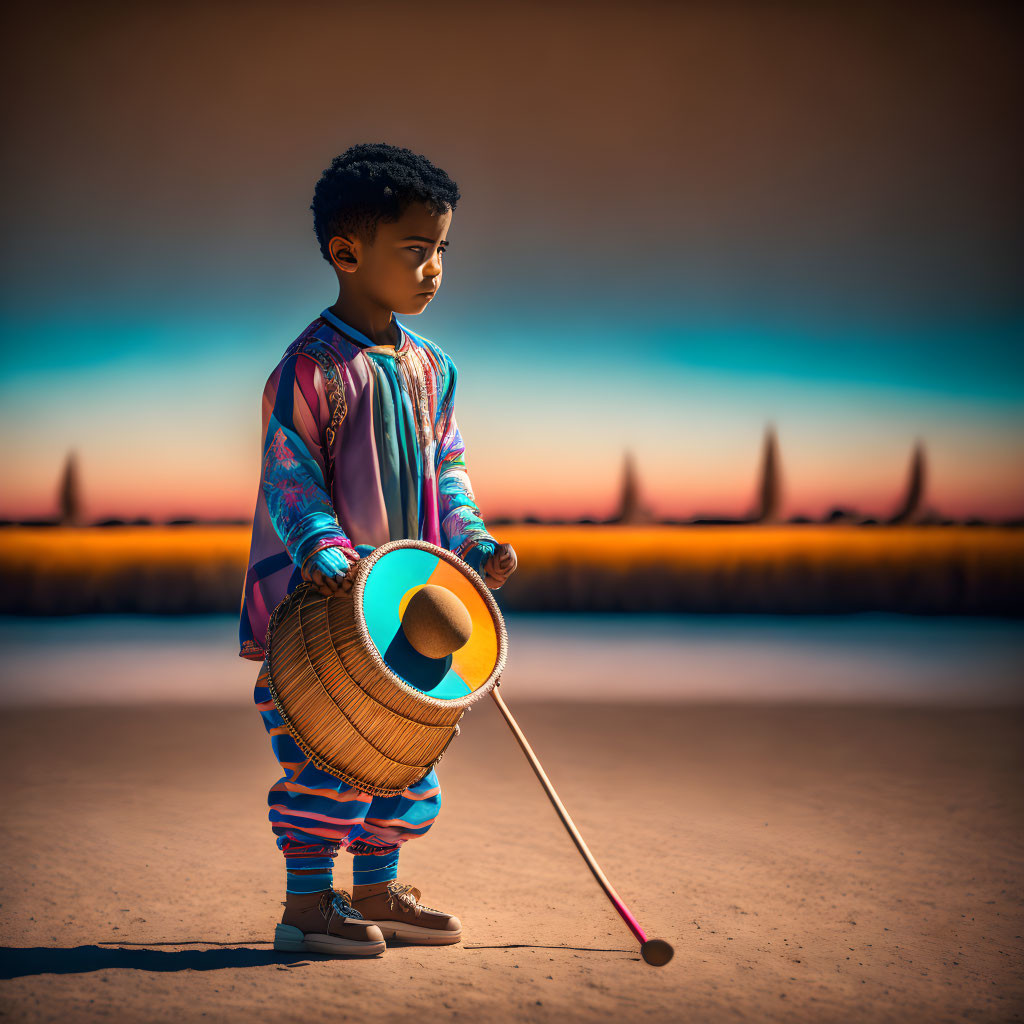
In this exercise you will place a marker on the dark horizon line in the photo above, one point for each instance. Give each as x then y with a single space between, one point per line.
836 516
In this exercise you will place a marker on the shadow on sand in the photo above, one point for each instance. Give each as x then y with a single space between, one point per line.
24 961
571 949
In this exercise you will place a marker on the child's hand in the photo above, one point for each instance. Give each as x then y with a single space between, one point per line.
327 569
497 569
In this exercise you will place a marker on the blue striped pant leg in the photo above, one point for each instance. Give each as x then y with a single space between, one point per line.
390 822
310 811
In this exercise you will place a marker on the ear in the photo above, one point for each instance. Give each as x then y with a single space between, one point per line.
344 253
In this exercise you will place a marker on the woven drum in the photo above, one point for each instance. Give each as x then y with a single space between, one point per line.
363 702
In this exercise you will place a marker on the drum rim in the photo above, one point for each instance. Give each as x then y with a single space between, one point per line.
363 567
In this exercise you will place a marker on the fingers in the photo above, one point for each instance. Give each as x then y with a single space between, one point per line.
499 566
329 581
496 577
320 582
329 585
345 581
505 555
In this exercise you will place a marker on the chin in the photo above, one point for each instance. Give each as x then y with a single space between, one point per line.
415 305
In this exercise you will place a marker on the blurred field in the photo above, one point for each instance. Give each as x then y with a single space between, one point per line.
792 568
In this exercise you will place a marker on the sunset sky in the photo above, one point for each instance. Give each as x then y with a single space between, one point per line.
676 227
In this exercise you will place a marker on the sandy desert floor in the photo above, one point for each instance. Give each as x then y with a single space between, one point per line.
808 864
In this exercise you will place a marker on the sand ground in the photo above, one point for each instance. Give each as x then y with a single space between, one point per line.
808 864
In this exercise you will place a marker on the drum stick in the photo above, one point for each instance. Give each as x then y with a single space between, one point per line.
656 952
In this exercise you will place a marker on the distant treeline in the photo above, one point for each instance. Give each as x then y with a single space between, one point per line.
781 569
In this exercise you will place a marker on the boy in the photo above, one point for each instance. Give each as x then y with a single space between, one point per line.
360 446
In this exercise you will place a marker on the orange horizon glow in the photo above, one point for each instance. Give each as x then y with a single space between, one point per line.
813 501
691 467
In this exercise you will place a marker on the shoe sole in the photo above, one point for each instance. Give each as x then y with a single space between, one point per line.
417 935
288 939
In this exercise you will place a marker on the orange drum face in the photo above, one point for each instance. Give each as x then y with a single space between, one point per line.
391 582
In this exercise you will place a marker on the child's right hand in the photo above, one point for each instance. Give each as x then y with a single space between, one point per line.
327 569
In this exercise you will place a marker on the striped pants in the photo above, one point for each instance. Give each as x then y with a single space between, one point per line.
314 814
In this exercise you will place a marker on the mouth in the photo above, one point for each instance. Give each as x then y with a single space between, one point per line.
429 291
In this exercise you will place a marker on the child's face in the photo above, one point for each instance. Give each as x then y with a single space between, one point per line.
401 269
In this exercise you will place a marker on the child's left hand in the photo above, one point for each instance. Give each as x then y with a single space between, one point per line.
497 569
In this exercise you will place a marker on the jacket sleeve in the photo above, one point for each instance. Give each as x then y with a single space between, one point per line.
293 476
462 526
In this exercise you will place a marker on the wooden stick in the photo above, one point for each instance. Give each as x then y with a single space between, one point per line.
624 912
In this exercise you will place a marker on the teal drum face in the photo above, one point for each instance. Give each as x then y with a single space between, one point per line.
401 569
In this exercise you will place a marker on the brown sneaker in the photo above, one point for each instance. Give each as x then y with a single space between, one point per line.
324 922
397 911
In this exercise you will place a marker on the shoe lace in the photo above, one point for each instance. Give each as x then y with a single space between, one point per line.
405 895
337 901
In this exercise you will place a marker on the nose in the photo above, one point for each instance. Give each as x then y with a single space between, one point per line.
433 267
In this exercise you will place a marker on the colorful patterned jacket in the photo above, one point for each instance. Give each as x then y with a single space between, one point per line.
360 446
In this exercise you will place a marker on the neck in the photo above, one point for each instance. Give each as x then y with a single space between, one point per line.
373 320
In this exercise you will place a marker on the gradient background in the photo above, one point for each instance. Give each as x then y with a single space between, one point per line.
676 226
679 223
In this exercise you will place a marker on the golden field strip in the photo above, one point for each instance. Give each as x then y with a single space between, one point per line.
800 567
67 551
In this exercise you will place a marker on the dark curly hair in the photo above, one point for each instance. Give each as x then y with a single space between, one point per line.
372 182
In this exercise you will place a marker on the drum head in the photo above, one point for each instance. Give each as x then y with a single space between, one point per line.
392 575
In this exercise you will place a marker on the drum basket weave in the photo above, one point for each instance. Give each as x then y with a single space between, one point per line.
352 716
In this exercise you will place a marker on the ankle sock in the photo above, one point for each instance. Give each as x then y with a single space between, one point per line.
317 874
368 869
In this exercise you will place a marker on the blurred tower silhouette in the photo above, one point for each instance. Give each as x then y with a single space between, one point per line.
910 508
69 498
631 510
770 489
